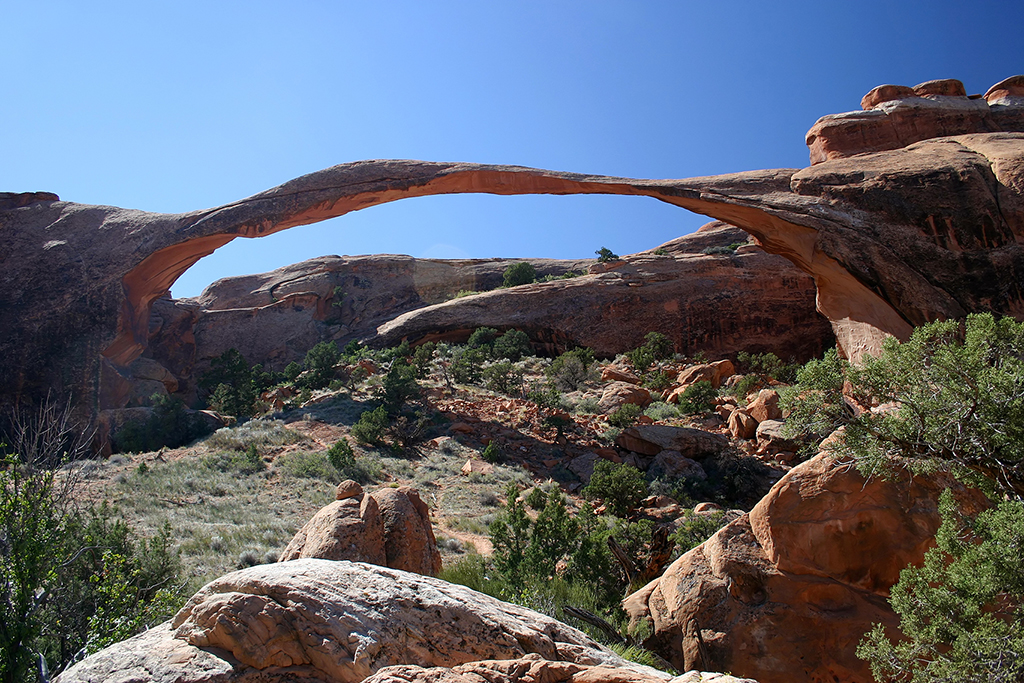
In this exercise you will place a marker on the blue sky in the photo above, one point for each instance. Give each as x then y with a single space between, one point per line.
187 105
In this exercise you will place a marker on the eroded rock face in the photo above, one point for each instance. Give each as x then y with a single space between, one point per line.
892 239
335 621
720 304
534 669
895 116
786 592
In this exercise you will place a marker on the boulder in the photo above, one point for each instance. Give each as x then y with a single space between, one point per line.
765 406
771 437
707 372
389 527
409 542
786 592
653 439
347 529
614 373
335 621
618 394
742 425
583 466
673 465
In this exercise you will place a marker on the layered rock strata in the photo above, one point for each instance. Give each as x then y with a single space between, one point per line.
720 303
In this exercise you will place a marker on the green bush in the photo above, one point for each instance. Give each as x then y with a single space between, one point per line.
491 453
962 611
372 427
958 394
467 364
423 357
170 424
73 581
641 358
625 416
340 455
659 410
522 273
697 398
398 386
571 370
504 377
659 345
482 338
537 499
513 345
694 529
604 254
319 363
620 486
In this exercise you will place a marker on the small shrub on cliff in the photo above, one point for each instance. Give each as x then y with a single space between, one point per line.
522 273
625 416
604 254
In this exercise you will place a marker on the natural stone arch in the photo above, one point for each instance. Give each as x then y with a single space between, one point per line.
341 189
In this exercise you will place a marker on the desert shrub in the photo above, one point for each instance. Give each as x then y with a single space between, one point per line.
625 416
308 465
401 352
697 398
398 386
491 453
659 380
482 338
571 370
513 345
620 486
292 371
694 529
605 254
371 427
958 394
467 364
659 410
641 358
504 377
319 363
734 481
228 384
588 405
962 611
660 345
422 357
522 273
170 424
536 498
261 433
767 366
73 581
719 251
340 455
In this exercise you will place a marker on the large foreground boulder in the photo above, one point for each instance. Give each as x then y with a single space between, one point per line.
535 669
785 593
336 622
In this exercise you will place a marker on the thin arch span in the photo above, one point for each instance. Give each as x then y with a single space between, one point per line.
759 202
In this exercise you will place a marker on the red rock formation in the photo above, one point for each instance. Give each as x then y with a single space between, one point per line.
892 238
719 304
895 116
786 592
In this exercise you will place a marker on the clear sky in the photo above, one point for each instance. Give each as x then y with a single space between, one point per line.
186 105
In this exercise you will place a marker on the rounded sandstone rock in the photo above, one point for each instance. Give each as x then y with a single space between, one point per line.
1006 88
948 87
886 93
348 489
